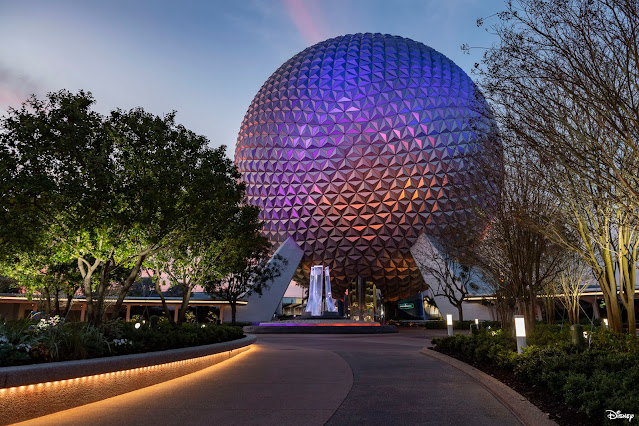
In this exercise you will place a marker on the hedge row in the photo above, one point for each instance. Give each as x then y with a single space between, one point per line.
30 342
441 324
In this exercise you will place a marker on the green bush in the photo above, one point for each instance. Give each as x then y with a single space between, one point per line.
484 346
53 339
14 343
463 325
609 341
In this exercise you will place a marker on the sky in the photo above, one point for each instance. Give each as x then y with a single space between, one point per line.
204 59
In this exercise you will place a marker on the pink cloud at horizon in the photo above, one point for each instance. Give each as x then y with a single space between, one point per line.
309 23
9 98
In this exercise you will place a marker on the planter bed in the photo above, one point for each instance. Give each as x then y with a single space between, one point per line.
575 384
30 391
541 397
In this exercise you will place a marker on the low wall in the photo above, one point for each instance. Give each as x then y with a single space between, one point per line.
30 391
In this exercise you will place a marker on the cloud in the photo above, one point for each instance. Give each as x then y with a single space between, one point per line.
308 20
15 87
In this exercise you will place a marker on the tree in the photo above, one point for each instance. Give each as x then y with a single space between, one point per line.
571 69
184 268
519 258
247 270
563 79
43 279
198 258
111 191
571 283
451 278
606 240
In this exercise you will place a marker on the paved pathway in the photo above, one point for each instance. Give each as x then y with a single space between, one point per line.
309 380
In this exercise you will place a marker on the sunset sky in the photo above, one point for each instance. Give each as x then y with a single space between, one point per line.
204 59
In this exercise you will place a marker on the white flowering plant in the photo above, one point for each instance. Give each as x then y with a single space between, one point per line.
122 342
47 323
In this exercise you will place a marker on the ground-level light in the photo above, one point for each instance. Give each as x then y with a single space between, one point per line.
449 324
137 325
605 321
520 332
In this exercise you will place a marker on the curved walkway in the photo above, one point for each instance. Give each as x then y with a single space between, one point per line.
308 380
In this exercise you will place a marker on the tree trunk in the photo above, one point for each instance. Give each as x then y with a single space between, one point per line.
88 294
126 286
57 301
460 312
167 311
613 313
87 273
531 318
67 308
549 307
47 301
632 320
608 280
233 309
573 314
100 308
186 297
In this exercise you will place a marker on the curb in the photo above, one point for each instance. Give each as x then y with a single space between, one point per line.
527 413
30 391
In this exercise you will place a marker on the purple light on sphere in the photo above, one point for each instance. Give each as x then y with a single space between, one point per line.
355 147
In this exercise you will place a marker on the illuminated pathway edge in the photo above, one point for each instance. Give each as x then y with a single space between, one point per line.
309 380
269 384
34 390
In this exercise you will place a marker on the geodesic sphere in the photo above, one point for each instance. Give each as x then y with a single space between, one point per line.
357 145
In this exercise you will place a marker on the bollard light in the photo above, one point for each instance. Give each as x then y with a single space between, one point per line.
477 322
449 324
605 321
520 332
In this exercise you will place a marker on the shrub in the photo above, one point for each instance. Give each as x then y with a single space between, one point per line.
14 344
463 325
483 346
607 340
53 339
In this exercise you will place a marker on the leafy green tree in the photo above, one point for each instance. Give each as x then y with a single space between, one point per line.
200 257
185 268
247 270
53 285
109 190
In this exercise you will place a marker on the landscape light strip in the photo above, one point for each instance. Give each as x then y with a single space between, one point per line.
113 374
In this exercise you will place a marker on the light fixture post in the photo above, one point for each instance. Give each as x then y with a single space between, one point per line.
520 332
449 324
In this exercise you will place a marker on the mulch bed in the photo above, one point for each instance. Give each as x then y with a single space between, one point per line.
541 397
